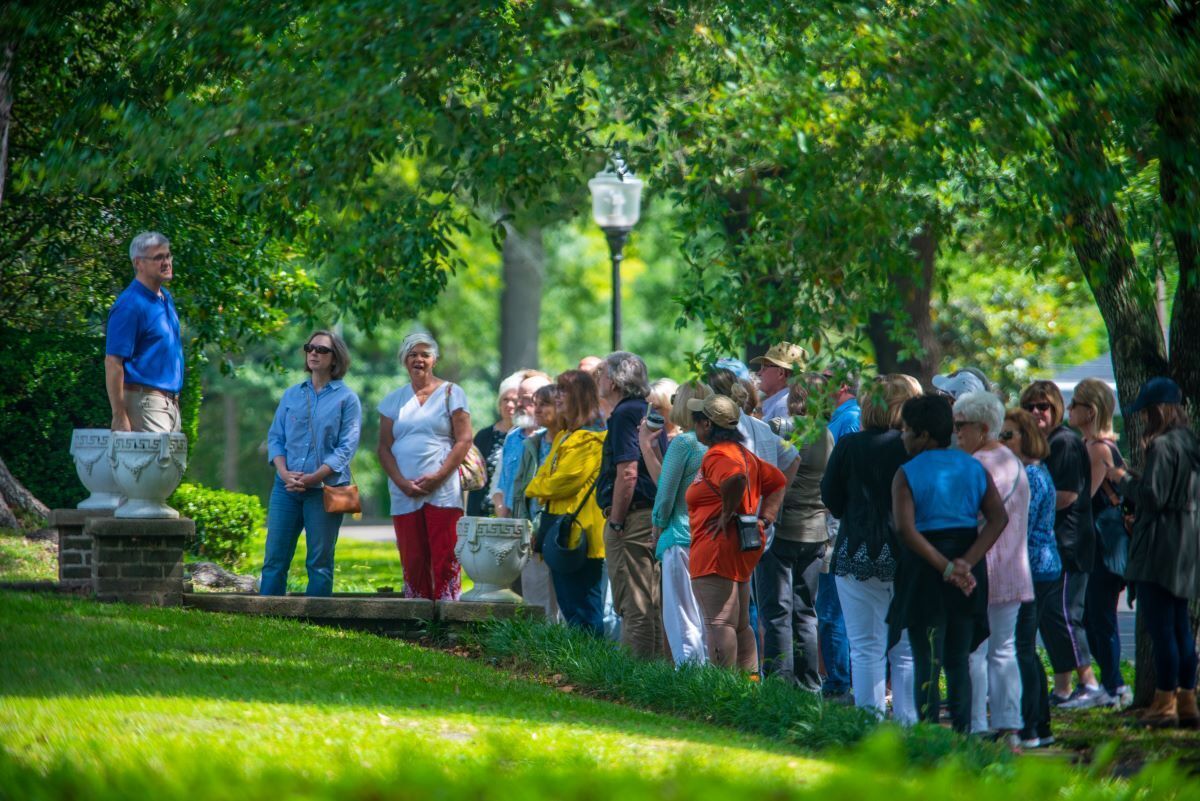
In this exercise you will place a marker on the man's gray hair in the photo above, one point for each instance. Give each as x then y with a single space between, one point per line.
418 338
627 372
144 241
982 407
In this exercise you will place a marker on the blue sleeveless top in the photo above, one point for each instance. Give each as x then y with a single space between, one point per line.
947 488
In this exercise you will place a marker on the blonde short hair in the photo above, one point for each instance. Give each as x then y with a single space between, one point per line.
1094 393
680 415
661 392
884 397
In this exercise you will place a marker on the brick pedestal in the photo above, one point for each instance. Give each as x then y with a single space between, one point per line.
139 561
75 546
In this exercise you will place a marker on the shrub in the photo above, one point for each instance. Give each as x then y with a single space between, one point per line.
225 521
50 384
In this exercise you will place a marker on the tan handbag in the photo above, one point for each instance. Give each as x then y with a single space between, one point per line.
342 499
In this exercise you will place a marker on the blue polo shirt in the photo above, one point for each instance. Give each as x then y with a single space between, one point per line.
846 419
143 329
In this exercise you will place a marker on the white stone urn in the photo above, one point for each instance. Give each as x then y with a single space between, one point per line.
148 467
89 448
493 550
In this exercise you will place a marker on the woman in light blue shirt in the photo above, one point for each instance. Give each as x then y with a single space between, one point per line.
683 621
311 441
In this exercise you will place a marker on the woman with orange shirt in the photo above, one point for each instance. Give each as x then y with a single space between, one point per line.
732 481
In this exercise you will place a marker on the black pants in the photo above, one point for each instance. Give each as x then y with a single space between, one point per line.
1170 629
934 648
786 579
1035 692
1060 621
1100 620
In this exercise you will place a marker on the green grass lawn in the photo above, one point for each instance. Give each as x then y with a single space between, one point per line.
115 702
359 565
23 559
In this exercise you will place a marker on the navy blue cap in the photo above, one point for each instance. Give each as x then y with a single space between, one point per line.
1155 391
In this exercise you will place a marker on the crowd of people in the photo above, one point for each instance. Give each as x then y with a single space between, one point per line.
915 530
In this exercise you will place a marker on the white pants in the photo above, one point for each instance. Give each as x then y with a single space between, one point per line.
683 621
537 588
865 607
995 674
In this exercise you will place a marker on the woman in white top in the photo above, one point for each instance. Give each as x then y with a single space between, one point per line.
424 435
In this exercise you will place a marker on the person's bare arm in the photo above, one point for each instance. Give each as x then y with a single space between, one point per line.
1100 456
460 423
623 491
1064 499
648 443
114 382
388 461
772 503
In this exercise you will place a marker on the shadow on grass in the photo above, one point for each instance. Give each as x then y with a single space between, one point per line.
60 648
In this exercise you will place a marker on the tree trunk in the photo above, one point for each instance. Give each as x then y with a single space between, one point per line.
523 258
15 498
229 460
916 293
1127 305
8 51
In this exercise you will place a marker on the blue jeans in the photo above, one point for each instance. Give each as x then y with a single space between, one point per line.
831 633
1100 622
580 596
287 514
1170 629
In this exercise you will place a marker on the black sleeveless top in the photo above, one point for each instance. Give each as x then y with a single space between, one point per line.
1106 491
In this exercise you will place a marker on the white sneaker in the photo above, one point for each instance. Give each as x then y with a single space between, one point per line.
1090 698
1032 742
1124 697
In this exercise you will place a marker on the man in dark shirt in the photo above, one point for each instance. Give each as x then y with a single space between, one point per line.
625 492
1063 632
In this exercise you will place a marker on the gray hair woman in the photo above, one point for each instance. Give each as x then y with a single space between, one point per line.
311 441
995 672
424 435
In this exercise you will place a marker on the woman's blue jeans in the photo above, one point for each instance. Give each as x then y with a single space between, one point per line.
287 514
580 596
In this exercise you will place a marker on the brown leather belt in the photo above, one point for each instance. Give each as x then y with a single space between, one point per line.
171 396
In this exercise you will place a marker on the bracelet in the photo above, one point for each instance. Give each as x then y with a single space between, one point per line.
949 571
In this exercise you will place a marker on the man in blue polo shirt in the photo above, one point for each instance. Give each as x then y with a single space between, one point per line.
143 362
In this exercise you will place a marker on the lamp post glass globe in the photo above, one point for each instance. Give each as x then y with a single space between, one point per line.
616 206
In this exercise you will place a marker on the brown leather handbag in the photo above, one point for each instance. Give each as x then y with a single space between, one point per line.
342 499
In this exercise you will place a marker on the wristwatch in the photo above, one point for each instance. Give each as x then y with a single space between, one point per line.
618 527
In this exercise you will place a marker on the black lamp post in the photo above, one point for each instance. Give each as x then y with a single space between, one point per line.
616 206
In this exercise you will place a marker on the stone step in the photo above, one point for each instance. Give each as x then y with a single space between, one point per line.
389 615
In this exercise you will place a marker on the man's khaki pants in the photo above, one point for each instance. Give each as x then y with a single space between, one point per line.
636 584
149 411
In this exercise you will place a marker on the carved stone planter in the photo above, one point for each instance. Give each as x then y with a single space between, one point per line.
493 551
148 467
89 447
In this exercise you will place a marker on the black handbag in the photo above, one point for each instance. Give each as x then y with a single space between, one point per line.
554 532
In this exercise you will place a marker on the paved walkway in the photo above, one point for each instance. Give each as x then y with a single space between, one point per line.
370 532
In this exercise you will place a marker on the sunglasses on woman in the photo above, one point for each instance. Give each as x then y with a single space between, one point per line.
1041 406
321 349
1005 436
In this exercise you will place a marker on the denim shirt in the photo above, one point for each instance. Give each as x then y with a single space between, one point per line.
336 419
510 461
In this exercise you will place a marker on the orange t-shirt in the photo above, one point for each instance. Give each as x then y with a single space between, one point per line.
721 555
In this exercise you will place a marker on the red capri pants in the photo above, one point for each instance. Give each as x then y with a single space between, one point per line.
425 539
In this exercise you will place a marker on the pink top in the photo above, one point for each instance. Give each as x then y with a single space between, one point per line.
1009 578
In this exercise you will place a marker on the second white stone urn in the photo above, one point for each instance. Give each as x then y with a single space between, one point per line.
148 467
89 448
493 550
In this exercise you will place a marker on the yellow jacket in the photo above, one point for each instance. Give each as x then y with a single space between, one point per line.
566 476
